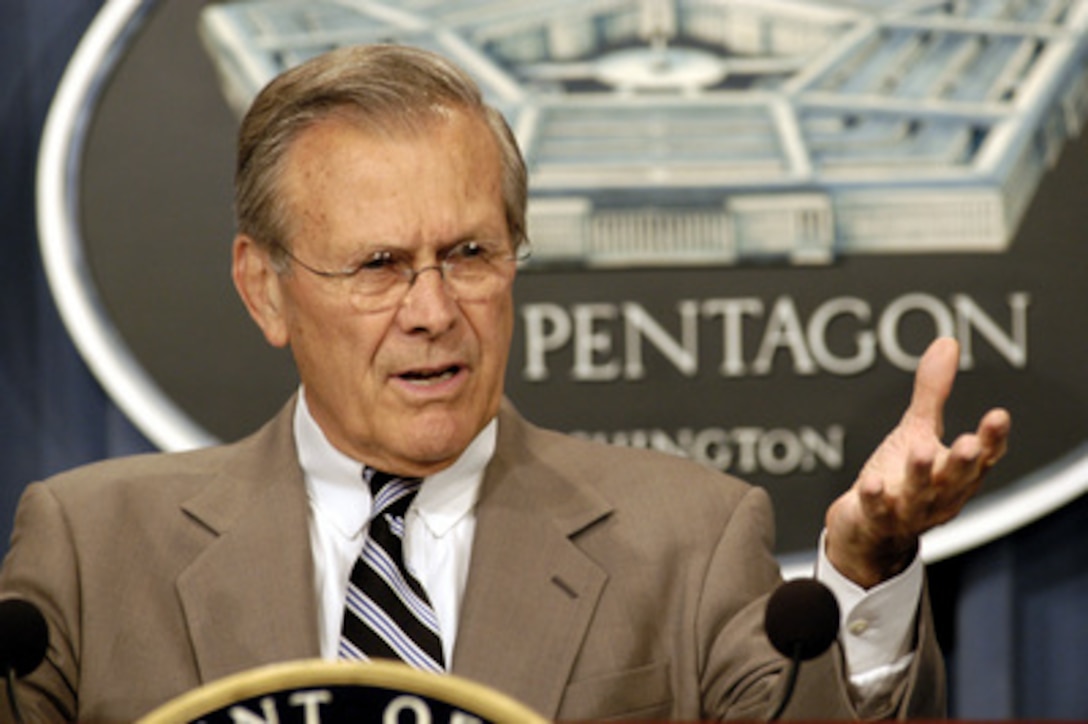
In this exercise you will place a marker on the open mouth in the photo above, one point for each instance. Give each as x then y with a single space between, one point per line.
431 377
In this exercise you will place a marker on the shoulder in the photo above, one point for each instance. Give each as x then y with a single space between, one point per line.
628 478
162 470
635 510
168 478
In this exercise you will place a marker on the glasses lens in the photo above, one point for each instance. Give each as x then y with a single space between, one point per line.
379 287
467 279
477 278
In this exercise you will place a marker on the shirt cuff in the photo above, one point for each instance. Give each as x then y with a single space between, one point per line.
877 624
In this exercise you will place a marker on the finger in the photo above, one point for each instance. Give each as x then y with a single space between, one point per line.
922 493
971 455
993 432
922 456
871 495
933 383
962 465
893 503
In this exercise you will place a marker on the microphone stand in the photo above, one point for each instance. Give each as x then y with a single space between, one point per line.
13 701
791 681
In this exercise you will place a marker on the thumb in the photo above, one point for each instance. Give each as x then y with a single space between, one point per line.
933 383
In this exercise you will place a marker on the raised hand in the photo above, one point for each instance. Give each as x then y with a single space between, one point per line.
912 482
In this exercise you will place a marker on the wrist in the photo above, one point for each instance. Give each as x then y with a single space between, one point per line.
869 564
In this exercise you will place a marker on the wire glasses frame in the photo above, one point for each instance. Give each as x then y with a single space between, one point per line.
473 271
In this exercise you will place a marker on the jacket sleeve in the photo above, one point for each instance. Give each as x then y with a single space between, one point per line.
744 676
42 567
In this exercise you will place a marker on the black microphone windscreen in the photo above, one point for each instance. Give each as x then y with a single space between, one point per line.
24 636
802 618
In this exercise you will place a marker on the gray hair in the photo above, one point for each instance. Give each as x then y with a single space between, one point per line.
387 89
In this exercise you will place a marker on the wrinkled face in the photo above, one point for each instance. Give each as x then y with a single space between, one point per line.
407 388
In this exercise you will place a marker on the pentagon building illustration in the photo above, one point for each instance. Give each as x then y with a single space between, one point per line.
724 131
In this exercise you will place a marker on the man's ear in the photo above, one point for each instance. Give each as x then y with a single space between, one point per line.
259 286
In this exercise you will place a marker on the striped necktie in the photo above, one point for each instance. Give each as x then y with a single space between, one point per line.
387 614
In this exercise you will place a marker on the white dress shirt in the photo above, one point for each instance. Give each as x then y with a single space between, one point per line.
438 532
440 525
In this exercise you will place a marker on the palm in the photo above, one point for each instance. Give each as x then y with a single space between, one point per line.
912 482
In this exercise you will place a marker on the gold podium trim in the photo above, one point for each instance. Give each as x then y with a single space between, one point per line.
464 694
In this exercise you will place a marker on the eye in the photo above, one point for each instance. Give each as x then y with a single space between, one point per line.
377 262
472 250
466 250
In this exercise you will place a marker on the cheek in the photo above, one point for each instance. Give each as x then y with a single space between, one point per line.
495 327
333 347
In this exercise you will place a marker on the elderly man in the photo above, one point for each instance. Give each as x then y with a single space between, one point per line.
381 212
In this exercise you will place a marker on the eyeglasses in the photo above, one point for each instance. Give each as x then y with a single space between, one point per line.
473 270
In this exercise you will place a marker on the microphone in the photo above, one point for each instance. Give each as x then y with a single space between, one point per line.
801 621
24 638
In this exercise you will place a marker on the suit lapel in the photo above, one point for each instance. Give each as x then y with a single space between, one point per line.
531 591
249 598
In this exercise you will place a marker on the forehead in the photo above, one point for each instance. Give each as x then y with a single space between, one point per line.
443 171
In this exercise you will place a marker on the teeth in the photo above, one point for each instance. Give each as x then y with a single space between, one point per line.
431 377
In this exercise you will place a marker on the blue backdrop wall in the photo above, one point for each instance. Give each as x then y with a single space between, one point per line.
1012 615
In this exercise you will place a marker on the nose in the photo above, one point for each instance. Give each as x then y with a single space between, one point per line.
429 305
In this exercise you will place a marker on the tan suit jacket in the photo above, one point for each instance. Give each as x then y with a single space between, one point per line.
604 583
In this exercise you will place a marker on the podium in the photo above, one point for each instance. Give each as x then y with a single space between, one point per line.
328 692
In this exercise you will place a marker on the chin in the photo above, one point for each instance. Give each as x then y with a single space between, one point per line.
440 437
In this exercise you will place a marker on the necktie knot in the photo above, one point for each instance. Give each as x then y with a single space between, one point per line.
392 494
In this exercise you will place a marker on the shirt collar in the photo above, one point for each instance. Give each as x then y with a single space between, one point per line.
334 481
